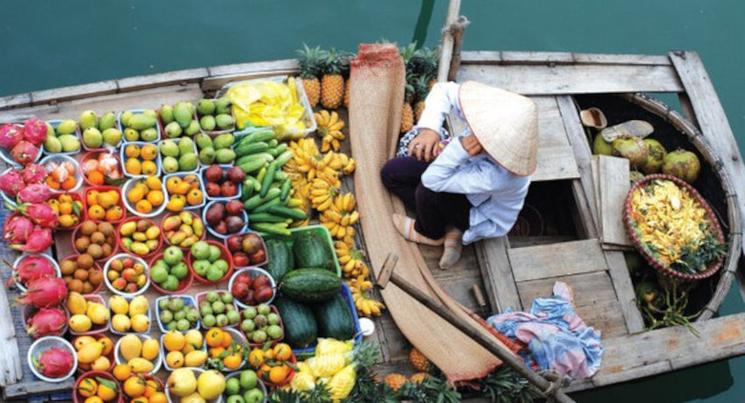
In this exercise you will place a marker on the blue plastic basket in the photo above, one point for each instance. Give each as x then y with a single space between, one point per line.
239 186
137 112
55 123
123 160
201 187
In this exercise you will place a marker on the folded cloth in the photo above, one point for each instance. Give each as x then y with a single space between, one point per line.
557 338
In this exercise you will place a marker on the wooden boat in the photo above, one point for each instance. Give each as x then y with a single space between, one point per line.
576 240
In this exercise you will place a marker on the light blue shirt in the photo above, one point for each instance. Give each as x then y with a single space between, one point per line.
495 194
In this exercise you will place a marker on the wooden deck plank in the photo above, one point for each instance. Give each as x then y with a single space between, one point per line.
74 92
573 79
649 353
613 181
589 288
10 359
604 316
551 130
15 101
714 126
555 163
497 57
162 79
496 274
619 274
559 259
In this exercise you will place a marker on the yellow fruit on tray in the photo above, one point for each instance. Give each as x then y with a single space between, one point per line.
93 399
102 363
108 345
155 197
149 152
174 341
150 349
132 151
90 352
106 390
80 341
149 168
87 387
121 323
80 323
140 365
117 303
176 203
196 358
133 166
134 387
122 372
130 347
76 303
96 212
114 213
139 304
175 359
171 183
135 195
98 313
140 324
144 206
153 183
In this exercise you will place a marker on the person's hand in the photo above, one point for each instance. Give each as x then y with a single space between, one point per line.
471 145
425 146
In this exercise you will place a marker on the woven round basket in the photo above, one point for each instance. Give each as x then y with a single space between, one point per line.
644 250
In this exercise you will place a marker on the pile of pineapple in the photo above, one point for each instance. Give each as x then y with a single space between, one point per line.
421 75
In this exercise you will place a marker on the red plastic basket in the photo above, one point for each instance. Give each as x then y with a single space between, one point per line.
95 265
94 154
125 250
224 254
114 247
163 232
77 398
182 285
83 214
647 253
82 368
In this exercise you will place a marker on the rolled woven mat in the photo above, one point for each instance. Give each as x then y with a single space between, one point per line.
376 94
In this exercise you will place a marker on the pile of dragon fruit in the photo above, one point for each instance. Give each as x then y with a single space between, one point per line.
23 143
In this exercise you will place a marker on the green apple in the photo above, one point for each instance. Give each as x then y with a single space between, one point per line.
232 386
200 250
201 267
248 379
112 136
215 253
159 274
173 255
188 162
169 148
180 271
254 395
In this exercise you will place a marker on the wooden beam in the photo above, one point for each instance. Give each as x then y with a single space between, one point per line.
558 259
510 57
221 75
162 79
446 45
74 92
714 125
643 354
619 274
10 359
22 390
496 274
573 79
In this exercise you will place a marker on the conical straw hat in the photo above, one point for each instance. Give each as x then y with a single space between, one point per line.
505 123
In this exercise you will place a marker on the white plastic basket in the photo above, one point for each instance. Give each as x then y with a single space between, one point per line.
217 234
22 287
164 353
253 272
59 158
149 315
132 210
157 362
44 343
55 123
114 290
176 399
259 384
137 112
123 159
188 301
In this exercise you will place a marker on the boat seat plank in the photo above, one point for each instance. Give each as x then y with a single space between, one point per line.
573 79
613 181
496 274
551 130
506 57
555 163
10 359
558 259
604 316
589 288
653 352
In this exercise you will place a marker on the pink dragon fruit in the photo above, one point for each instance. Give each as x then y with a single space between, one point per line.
39 213
10 135
46 322
44 292
17 229
31 268
24 152
34 173
54 362
39 241
11 182
35 131
36 193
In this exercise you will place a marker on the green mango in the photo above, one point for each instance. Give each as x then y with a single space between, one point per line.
92 137
149 134
88 119
193 128
67 127
225 156
207 122
141 121
185 145
166 114
112 136
169 148
206 107
107 121
223 141
203 141
50 130
188 162
150 112
173 129
207 155
222 105
69 143
224 121
125 118
182 114
52 144
130 134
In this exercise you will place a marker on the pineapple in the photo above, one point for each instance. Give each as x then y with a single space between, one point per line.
311 60
421 89
424 62
332 82
419 361
419 377
395 381
407 114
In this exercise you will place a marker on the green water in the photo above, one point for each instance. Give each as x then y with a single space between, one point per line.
48 44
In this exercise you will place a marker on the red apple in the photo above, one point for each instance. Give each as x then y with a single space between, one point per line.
234 243
228 189
240 259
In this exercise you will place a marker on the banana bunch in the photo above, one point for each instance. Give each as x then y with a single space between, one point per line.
351 260
340 217
322 192
365 305
347 164
329 129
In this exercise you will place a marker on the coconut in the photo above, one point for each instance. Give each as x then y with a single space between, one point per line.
635 176
601 147
682 164
632 148
655 157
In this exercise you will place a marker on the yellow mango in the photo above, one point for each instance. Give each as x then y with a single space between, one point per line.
98 313
130 347
140 365
150 349
90 352
76 303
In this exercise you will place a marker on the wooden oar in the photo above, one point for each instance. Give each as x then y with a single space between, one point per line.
548 389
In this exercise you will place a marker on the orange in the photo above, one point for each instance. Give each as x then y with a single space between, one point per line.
87 387
69 183
107 199
158 397
96 212
269 354
132 151
65 208
135 194
96 178
133 166
106 393
91 197
214 337
122 372
134 386
278 375
192 180
227 339
194 197
153 183
182 188
155 197
282 352
256 357
144 206
216 351
108 345
114 214
53 184
174 341
232 361
171 183
149 168
151 388
176 203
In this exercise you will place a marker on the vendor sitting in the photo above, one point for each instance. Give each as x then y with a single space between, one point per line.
473 186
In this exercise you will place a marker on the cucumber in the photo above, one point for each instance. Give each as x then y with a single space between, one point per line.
265 217
251 157
268 179
273 229
273 143
312 250
286 187
295 214
257 200
300 325
251 183
252 165
265 135
278 150
279 258
334 319
264 208
311 285
251 148
283 158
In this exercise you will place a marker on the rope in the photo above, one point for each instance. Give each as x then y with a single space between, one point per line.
556 381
